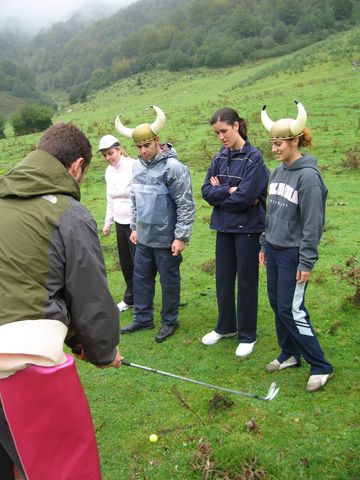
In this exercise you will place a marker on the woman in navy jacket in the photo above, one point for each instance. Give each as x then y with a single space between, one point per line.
235 185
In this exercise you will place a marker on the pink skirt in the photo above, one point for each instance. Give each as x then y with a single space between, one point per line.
50 421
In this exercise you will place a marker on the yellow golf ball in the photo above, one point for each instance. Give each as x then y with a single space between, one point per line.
153 438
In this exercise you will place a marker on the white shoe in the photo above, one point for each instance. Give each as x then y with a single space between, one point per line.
276 365
316 382
213 337
244 349
122 306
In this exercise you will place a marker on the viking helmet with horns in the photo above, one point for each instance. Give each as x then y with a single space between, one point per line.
285 128
145 131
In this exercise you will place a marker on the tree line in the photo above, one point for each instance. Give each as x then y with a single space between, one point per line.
169 34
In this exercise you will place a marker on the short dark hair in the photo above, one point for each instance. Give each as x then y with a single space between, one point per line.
66 142
229 116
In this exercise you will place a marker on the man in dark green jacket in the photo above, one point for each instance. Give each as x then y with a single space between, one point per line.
53 285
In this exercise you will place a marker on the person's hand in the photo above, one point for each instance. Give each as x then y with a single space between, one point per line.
214 181
117 360
78 352
262 258
302 277
232 189
115 363
106 231
133 237
177 247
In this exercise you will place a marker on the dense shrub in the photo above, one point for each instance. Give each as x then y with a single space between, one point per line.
177 61
31 119
78 94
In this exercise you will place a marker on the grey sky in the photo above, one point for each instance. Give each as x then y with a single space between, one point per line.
29 16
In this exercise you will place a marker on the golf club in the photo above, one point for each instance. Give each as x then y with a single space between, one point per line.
271 394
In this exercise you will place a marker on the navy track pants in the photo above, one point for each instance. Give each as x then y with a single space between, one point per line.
147 262
294 331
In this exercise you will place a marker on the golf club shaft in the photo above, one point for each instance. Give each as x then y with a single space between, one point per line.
208 385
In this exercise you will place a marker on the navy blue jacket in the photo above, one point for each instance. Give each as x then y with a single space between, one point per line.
242 211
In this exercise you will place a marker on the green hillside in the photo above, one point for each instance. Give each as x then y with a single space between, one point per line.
74 59
175 35
203 435
322 76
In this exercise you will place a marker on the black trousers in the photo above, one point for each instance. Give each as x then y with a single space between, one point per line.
237 255
8 453
126 257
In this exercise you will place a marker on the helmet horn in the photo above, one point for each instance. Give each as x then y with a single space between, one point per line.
298 125
160 120
127 132
266 120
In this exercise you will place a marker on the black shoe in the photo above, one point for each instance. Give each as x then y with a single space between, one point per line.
165 331
133 326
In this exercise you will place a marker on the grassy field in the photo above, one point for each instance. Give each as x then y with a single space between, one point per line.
204 434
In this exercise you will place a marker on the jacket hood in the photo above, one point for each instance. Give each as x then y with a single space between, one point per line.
160 157
305 160
38 174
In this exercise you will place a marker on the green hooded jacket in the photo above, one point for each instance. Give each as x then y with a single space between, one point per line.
51 263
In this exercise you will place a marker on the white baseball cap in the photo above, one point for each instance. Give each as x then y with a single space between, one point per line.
108 141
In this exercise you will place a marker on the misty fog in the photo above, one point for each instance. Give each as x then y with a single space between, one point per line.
24 17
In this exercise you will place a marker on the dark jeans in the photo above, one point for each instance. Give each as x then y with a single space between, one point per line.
126 251
147 262
237 255
294 331
8 452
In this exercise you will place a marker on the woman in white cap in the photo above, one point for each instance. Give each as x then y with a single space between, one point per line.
289 246
118 176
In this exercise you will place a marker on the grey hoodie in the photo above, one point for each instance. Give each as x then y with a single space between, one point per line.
296 209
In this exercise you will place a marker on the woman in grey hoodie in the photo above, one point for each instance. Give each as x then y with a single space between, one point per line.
289 245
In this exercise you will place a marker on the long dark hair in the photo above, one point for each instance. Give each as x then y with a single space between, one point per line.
229 116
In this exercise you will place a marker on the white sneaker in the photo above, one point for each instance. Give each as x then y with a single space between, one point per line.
276 365
213 337
316 382
122 306
244 349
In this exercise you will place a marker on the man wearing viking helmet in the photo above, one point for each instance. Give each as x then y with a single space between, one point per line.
289 245
163 212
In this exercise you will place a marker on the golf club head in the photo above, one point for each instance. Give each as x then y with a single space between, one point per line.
273 391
